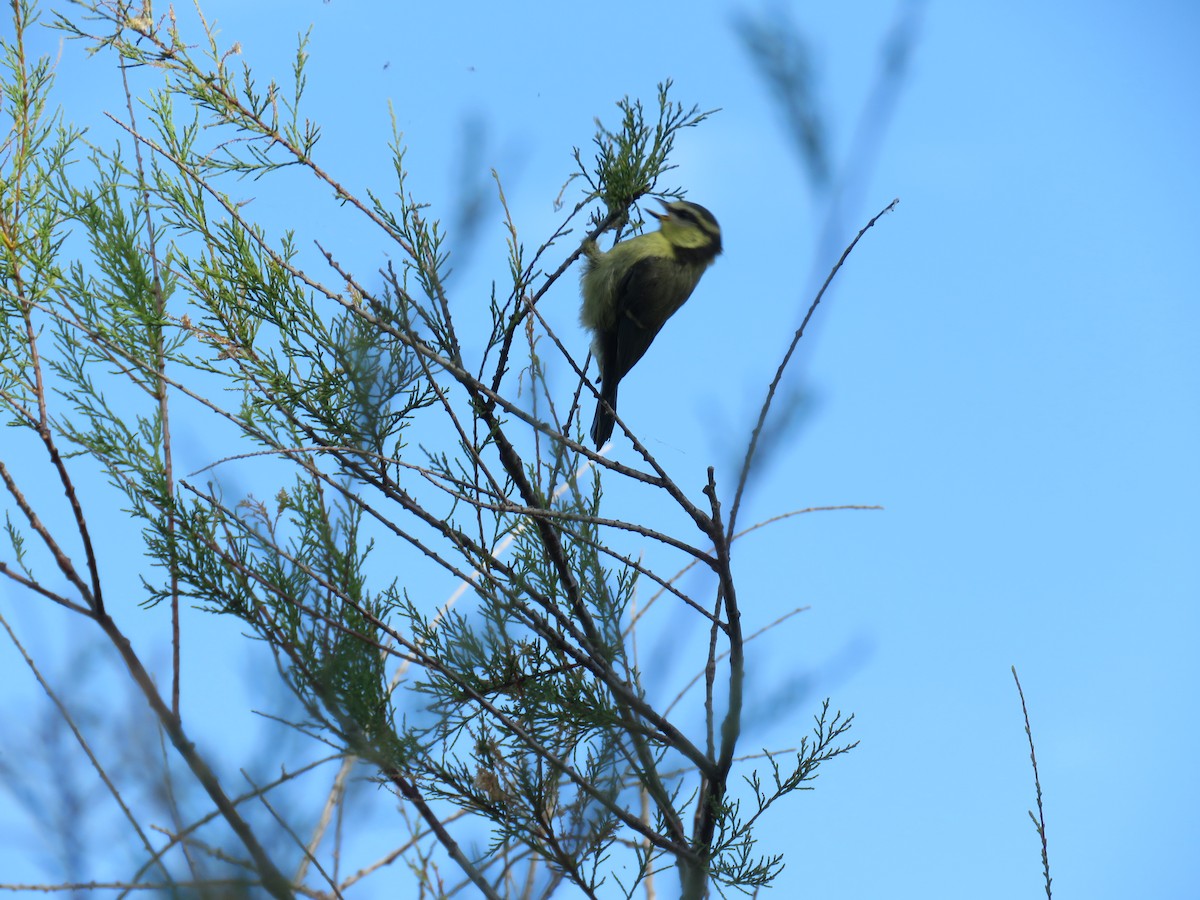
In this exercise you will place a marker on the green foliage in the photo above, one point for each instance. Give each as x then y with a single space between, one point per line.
631 159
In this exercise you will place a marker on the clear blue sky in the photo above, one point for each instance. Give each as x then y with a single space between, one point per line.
1008 365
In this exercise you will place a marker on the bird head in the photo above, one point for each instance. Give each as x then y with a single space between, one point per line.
689 226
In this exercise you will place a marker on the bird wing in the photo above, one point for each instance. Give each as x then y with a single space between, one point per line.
649 294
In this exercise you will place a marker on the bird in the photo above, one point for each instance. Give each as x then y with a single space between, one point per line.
631 290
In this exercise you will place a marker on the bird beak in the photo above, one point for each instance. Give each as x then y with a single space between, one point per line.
658 215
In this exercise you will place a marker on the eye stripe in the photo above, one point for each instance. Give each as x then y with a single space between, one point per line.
696 215
702 217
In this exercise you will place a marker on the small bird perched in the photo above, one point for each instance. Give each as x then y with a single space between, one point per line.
630 292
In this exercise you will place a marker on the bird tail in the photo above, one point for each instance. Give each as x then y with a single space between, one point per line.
603 422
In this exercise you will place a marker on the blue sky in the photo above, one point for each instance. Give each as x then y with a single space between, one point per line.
1007 364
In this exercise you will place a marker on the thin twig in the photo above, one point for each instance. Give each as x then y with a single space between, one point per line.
1039 821
766 407
160 362
333 801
